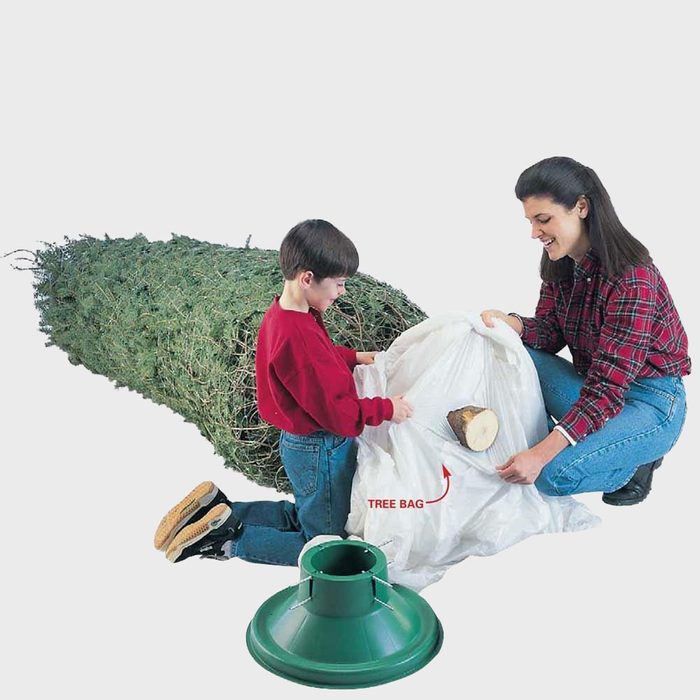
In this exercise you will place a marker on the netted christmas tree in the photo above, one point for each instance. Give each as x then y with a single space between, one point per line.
177 321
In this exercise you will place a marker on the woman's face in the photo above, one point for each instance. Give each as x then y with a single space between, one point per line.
561 231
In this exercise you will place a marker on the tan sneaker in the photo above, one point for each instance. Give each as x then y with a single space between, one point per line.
206 536
204 496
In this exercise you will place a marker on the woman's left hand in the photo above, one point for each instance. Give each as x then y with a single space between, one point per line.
522 468
366 358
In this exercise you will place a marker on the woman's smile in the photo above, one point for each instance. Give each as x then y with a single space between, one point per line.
571 237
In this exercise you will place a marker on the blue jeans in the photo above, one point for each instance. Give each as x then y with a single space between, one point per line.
645 429
320 468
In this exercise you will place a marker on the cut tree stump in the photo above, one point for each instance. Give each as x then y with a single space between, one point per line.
474 426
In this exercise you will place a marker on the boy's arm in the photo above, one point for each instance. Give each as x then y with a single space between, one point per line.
348 356
322 391
355 357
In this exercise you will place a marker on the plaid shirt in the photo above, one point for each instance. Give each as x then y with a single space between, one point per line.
617 331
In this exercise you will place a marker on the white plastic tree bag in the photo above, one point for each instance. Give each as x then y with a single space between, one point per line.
439 365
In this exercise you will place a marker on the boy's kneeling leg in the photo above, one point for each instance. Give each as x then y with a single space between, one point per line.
320 470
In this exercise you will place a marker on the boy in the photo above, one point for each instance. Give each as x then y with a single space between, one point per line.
306 389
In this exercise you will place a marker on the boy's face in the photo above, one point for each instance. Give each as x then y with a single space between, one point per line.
322 293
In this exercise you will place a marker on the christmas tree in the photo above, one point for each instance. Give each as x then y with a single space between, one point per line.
177 321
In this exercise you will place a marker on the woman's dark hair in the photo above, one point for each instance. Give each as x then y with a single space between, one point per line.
564 180
318 246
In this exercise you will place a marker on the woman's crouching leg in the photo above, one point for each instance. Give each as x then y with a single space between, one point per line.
565 477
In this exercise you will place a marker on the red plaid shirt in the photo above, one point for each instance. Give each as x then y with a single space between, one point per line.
617 330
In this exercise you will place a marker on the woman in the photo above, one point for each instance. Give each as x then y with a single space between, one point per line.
619 408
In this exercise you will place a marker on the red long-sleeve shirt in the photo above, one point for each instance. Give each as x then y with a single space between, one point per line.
617 330
304 381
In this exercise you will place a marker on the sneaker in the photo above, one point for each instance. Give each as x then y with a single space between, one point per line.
206 536
636 489
191 507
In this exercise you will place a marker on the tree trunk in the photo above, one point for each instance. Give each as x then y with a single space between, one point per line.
475 427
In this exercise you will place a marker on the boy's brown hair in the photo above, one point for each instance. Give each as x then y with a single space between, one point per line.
318 246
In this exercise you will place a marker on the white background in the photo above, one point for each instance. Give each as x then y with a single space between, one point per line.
406 125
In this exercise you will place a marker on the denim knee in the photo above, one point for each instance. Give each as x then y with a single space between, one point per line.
553 483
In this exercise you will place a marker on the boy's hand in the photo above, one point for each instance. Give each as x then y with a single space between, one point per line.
366 358
402 409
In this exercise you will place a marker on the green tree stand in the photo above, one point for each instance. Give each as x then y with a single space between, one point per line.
344 625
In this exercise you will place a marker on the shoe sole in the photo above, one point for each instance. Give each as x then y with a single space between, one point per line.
178 516
194 532
629 502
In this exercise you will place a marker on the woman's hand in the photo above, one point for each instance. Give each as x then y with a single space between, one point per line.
488 316
522 468
366 358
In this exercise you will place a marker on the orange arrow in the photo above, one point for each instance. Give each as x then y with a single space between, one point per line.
445 475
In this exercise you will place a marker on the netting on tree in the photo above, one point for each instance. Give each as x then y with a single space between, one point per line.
177 322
